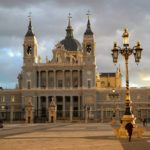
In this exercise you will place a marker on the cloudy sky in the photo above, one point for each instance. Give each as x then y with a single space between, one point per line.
49 20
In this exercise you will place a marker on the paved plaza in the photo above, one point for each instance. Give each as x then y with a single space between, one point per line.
68 136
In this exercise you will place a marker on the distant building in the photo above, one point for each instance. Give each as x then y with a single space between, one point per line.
109 80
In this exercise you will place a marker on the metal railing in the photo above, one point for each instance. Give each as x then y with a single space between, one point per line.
100 115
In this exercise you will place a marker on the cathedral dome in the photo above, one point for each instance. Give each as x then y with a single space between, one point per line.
70 43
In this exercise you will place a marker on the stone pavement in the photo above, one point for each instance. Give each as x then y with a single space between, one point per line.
68 136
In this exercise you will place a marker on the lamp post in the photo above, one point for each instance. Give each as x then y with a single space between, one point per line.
126 51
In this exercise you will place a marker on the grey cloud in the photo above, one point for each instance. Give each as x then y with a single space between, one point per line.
19 3
49 19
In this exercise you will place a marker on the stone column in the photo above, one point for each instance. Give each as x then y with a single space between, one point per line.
39 79
71 78
54 78
34 81
79 79
12 101
23 108
95 112
71 108
63 78
79 104
47 107
46 102
86 114
39 106
11 113
147 114
46 79
35 102
64 109
36 106
102 114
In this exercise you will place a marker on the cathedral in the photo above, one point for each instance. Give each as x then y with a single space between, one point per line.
67 87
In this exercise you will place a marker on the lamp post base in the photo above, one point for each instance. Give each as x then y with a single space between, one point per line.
121 132
128 118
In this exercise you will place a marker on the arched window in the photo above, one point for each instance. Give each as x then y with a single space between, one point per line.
102 83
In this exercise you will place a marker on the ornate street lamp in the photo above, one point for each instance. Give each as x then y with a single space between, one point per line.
126 51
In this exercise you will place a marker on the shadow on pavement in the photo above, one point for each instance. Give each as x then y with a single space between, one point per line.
135 144
100 137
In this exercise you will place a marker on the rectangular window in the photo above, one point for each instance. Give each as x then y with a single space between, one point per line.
3 99
43 84
67 82
28 84
60 83
51 82
43 79
75 82
89 83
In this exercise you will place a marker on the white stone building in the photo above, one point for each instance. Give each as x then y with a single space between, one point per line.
70 79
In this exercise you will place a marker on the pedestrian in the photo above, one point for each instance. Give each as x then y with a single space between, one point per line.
129 128
1 123
144 122
120 121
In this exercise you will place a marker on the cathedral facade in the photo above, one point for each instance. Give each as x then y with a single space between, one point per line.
72 69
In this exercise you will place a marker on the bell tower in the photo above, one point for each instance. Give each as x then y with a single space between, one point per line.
89 44
89 72
29 58
30 46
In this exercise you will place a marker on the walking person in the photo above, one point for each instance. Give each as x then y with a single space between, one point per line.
129 128
144 122
1 123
